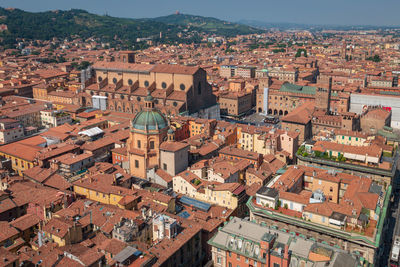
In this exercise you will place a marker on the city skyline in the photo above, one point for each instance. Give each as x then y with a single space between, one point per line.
170 133
311 12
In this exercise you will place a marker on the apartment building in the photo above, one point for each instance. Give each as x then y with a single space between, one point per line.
342 210
10 130
53 118
244 243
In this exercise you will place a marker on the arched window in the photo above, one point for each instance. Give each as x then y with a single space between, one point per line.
151 144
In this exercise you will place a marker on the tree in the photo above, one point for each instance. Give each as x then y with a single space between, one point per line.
229 50
84 65
277 205
278 50
375 58
301 52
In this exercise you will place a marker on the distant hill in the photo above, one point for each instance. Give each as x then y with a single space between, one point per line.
49 24
208 24
269 25
46 25
311 27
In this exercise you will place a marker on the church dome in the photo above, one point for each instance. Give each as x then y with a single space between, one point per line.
149 120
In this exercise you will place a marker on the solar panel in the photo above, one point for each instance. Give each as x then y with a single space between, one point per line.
184 214
195 203
137 253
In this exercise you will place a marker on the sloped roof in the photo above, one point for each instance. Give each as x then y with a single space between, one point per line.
293 88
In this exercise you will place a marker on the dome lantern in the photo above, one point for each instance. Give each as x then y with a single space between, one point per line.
149 119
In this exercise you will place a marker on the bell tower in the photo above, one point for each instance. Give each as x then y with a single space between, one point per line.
126 56
171 135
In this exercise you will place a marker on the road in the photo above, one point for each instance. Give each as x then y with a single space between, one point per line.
393 228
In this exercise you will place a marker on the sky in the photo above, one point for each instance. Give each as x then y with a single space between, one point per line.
337 12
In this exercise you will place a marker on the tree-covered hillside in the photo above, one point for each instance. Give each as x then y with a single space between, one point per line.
49 24
208 24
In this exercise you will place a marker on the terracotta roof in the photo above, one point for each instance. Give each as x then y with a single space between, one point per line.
7 231
112 246
7 257
377 113
26 152
58 182
176 69
237 152
55 150
88 256
302 199
372 150
58 227
100 143
231 187
71 158
25 222
173 146
164 175
288 179
123 66
252 189
300 115
120 151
